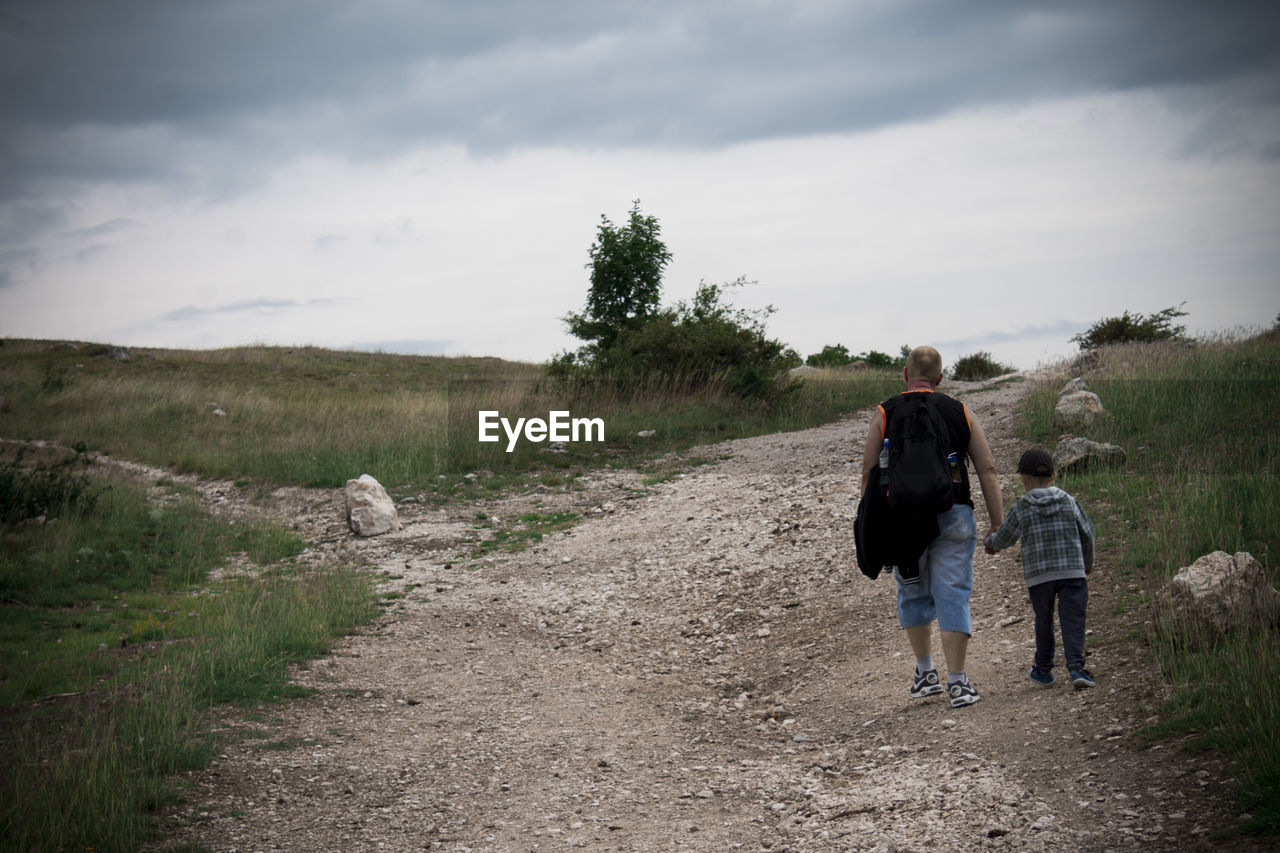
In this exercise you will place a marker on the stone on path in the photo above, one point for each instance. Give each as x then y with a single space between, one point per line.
370 511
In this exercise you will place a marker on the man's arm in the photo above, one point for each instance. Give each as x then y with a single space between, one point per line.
871 451
985 464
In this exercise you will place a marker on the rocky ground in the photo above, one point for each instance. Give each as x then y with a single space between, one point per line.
696 665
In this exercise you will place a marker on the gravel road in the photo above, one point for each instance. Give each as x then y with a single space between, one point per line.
697 665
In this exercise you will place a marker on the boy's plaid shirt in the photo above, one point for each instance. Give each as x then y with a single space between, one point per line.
1057 536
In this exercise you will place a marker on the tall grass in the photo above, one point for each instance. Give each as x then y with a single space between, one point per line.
115 645
297 415
318 418
1200 426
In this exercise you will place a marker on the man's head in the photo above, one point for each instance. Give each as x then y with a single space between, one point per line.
1035 468
923 364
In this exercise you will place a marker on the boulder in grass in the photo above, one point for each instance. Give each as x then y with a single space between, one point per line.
1077 384
1075 455
1078 409
1217 594
370 510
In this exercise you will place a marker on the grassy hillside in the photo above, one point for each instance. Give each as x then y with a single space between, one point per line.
1201 424
318 417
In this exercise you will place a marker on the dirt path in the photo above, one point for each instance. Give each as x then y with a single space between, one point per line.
695 666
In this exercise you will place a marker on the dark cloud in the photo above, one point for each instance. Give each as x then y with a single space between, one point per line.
256 306
207 96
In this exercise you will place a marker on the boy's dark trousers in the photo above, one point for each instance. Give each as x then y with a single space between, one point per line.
1072 597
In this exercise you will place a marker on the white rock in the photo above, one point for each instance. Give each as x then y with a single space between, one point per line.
1077 384
1079 454
370 511
1217 593
1079 408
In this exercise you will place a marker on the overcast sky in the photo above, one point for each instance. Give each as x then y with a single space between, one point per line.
428 176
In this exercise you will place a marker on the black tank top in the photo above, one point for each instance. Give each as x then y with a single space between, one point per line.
956 417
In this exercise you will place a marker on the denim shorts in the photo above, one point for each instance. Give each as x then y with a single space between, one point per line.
946 576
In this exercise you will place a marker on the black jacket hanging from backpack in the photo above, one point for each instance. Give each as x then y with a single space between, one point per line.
884 538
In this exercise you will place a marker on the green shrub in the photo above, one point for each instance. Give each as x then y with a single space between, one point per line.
831 356
697 344
1130 328
882 360
978 366
628 336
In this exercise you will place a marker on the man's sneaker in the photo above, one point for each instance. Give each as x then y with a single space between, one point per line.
926 684
962 693
1080 678
1045 678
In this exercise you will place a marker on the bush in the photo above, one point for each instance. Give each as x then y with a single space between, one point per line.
1129 328
831 356
627 336
978 366
704 342
882 360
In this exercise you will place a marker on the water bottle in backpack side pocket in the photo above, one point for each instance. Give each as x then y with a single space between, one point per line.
884 468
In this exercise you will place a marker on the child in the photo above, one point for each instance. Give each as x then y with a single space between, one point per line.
1057 553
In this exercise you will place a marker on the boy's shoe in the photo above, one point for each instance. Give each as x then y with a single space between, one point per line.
1080 678
926 684
1045 678
962 693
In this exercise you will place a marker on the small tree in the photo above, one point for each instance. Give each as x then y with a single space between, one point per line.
1133 327
626 280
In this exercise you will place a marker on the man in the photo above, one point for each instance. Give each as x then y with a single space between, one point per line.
943 587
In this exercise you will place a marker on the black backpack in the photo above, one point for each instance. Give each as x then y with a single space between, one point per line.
919 475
